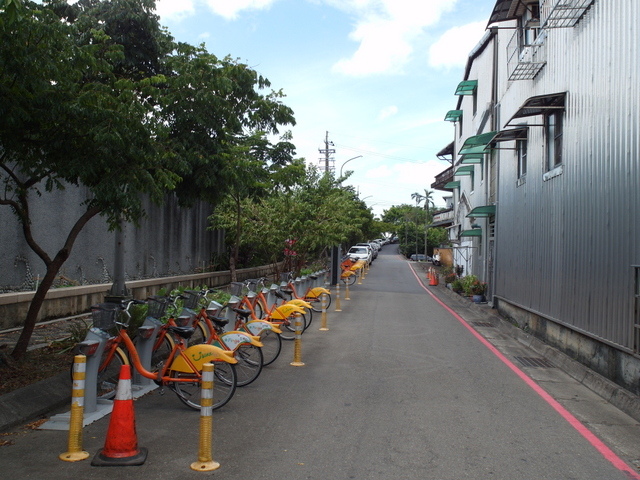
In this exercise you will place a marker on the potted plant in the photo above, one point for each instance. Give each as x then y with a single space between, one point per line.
449 275
478 290
456 285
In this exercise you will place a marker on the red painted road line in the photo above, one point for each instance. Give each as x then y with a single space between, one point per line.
605 451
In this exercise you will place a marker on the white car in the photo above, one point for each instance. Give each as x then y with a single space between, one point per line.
374 249
361 252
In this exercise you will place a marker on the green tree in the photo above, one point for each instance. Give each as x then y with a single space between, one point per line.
98 95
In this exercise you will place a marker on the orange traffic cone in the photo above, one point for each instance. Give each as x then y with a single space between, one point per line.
121 445
434 278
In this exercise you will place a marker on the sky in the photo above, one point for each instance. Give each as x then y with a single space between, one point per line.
374 76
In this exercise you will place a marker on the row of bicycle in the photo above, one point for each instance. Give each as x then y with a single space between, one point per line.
182 332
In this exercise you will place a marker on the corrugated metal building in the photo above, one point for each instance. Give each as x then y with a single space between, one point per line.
565 154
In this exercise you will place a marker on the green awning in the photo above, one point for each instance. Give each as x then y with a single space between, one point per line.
484 211
476 143
476 232
467 87
453 116
465 170
477 150
452 185
472 159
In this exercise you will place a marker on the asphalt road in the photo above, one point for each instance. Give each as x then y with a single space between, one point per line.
399 388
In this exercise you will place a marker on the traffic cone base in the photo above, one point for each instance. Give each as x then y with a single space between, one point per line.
121 445
101 460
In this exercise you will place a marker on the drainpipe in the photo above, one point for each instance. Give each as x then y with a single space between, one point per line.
495 123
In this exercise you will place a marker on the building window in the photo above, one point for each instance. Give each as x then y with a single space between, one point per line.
554 130
529 24
521 151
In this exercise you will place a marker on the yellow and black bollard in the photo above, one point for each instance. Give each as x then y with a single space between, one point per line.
74 444
297 344
346 293
323 317
205 461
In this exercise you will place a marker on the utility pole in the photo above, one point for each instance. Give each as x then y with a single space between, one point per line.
328 159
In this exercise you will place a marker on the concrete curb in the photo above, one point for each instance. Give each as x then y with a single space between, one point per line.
30 402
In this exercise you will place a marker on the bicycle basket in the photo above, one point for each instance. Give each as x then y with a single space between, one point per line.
236 288
191 299
157 306
104 315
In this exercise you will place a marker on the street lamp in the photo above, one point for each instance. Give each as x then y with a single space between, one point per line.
359 156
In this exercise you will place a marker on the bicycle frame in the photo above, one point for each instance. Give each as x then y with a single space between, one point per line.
181 359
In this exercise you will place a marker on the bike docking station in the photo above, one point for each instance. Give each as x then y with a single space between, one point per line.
93 347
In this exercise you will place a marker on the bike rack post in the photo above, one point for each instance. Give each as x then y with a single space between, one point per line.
94 336
297 345
232 303
205 461
145 340
271 296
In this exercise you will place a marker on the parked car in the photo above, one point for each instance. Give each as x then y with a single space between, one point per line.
419 257
361 253
374 249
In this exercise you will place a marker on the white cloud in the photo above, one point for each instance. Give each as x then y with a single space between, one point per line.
229 9
453 47
175 9
387 31
387 112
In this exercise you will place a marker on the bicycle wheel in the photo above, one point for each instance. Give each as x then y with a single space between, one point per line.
289 326
258 309
249 366
308 317
271 346
109 372
161 351
316 303
224 386
200 335
350 280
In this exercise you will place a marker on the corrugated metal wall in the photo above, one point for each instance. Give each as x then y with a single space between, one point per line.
566 245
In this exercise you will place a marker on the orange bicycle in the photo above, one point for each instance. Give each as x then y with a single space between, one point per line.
246 347
283 315
180 370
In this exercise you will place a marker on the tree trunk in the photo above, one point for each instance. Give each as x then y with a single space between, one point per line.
53 267
34 307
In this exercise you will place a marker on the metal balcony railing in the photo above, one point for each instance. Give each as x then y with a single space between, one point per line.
525 61
562 13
